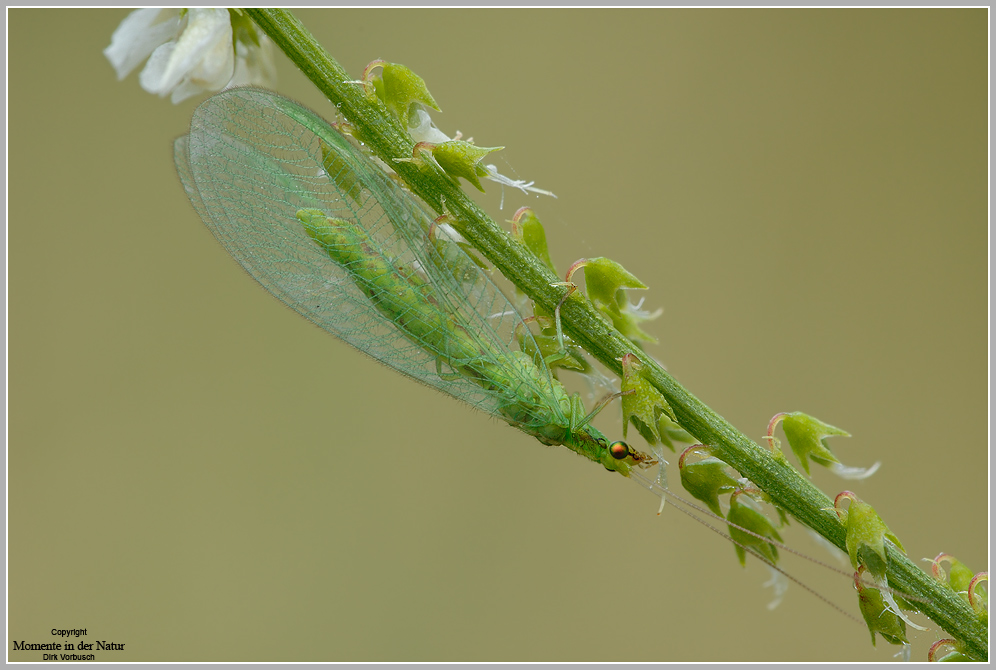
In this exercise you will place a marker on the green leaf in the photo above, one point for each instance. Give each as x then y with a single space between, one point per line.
706 480
959 575
455 253
670 432
807 437
607 283
955 652
955 657
744 516
526 228
865 535
642 404
978 597
461 159
339 172
879 618
399 88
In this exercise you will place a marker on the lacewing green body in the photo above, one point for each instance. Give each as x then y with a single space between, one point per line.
325 229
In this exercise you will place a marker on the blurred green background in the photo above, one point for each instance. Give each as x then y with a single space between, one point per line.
195 471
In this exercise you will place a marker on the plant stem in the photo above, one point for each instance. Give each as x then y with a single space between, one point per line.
786 487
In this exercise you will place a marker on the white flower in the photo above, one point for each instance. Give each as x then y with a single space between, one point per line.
191 52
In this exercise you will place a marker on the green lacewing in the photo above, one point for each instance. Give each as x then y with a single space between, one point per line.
326 230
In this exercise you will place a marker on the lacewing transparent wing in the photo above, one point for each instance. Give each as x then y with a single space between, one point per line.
328 232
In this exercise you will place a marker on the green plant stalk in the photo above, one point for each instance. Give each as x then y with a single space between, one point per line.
786 487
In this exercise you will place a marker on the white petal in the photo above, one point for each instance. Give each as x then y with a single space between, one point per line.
425 131
203 52
254 66
186 89
779 583
216 67
139 35
893 607
845 472
447 232
521 184
151 76
265 62
242 76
